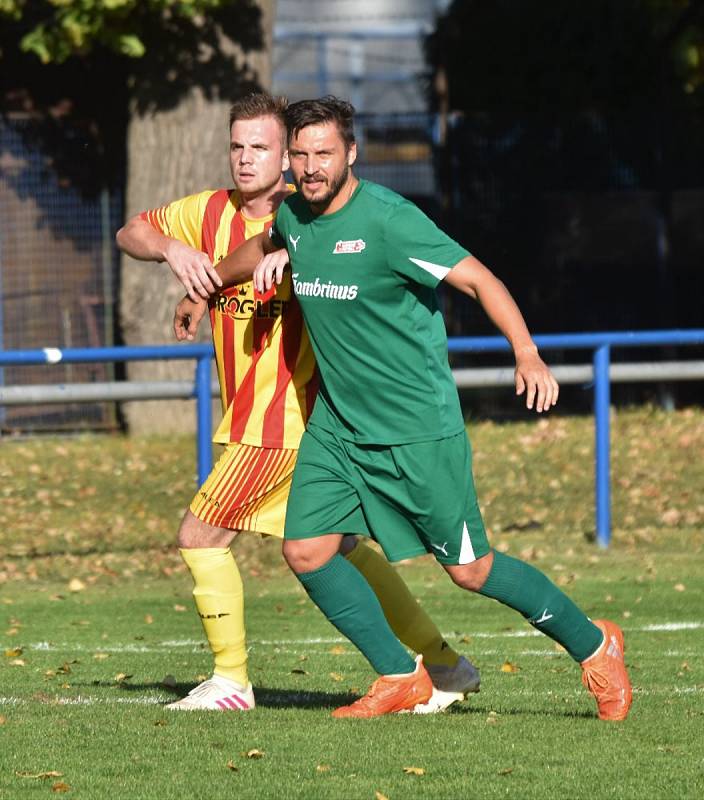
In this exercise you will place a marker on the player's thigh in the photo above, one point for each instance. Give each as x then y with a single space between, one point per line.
247 490
436 487
323 497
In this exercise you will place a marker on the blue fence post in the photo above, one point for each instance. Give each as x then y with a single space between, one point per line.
205 418
602 397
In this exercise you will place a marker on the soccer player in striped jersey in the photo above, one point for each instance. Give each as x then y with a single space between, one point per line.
267 375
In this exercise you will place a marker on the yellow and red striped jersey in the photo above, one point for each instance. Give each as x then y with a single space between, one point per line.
264 359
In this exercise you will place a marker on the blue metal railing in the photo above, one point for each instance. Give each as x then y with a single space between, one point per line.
599 343
202 353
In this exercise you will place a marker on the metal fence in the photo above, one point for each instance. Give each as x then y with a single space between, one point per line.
600 375
58 272
582 243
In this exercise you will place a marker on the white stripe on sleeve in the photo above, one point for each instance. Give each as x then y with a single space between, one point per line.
434 269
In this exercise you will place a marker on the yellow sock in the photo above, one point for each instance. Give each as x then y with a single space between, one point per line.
405 616
219 598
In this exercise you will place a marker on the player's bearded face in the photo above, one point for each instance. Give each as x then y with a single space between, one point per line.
320 163
257 154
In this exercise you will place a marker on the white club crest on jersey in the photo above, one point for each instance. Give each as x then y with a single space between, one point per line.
352 246
294 242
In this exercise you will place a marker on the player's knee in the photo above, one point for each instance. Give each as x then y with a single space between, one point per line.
471 576
193 533
306 555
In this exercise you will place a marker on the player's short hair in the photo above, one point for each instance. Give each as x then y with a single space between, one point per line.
260 104
317 112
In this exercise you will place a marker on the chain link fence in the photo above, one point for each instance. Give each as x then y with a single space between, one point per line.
591 222
58 276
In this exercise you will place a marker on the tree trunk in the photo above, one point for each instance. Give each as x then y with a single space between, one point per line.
174 150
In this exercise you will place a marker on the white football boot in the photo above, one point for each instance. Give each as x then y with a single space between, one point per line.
450 684
216 694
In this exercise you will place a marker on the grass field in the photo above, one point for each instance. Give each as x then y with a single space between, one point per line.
98 631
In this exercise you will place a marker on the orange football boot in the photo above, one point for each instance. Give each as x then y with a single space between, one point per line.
604 674
391 693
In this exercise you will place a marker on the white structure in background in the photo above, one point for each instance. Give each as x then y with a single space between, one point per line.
369 52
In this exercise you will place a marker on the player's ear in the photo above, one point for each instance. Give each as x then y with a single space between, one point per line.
352 154
285 164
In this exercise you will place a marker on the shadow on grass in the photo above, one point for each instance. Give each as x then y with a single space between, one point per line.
473 706
266 698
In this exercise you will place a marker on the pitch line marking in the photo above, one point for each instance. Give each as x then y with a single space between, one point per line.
199 645
148 700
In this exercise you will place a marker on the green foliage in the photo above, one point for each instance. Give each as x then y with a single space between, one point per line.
586 54
59 29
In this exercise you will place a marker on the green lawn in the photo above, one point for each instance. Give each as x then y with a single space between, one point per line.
97 632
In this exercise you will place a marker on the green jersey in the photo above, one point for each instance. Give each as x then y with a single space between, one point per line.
365 278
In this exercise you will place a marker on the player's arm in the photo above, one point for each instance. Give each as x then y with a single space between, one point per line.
239 266
532 374
141 240
235 268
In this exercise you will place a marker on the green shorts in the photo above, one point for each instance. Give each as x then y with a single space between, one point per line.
411 498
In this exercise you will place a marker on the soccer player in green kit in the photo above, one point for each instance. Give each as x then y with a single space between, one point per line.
385 453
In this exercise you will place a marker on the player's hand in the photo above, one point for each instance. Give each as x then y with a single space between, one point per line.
194 269
270 270
534 377
187 317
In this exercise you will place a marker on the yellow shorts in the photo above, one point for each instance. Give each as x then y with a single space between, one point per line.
247 490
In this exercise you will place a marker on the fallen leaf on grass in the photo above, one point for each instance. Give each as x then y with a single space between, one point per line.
12 631
231 766
13 652
414 770
671 516
323 768
121 677
160 723
679 587
465 639
18 662
3 720
337 650
76 585
507 666
60 786
493 718
254 753
380 796
179 607
101 656
506 771
336 676
40 775
149 619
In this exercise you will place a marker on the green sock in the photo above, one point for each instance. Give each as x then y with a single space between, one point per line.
525 589
346 599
